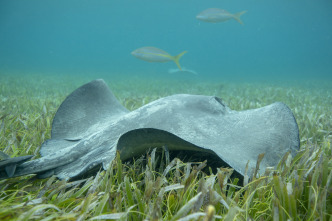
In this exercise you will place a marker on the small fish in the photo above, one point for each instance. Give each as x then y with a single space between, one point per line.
183 70
215 15
153 54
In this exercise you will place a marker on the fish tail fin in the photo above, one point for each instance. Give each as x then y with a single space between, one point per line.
176 59
237 16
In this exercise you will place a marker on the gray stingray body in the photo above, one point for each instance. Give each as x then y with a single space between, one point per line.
91 125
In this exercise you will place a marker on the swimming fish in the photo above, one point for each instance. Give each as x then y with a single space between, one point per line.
183 70
215 15
152 54
91 125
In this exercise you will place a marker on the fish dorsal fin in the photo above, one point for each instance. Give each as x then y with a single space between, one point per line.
91 105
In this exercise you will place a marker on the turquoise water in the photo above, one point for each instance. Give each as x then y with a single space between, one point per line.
281 40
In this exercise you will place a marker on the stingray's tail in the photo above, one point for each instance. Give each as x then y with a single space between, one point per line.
8 165
237 16
176 59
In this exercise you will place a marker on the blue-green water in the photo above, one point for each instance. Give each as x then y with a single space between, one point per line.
281 40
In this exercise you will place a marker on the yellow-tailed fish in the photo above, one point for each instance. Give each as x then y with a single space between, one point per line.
215 15
152 54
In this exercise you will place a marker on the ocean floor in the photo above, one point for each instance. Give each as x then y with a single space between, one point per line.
28 104
311 102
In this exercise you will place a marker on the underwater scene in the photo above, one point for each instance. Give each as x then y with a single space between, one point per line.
165 110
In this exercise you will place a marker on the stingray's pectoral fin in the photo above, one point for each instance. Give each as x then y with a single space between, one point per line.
83 110
8 166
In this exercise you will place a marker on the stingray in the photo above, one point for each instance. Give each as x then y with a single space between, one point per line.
91 125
